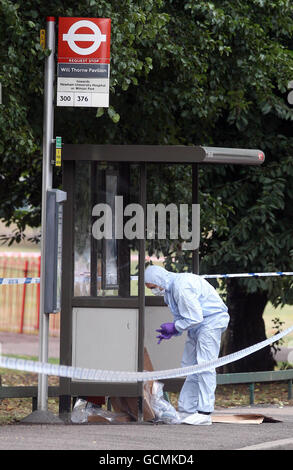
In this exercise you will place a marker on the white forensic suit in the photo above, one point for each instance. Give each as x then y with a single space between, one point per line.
198 309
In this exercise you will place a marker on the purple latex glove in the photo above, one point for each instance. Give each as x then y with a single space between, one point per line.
163 336
166 331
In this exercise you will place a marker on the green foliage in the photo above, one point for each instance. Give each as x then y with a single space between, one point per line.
260 237
135 30
278 328
182 72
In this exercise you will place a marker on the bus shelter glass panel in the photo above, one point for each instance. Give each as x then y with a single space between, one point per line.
173 219
105 256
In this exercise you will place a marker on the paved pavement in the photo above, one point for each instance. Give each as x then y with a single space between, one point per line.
219 436
14 343
265 436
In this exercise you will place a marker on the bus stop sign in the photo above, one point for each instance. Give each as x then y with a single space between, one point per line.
83 62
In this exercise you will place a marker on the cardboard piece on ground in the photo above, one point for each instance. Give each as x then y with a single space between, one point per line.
242 419
110 418
147 363
129 405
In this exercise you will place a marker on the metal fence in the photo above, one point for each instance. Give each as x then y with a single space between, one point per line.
249 378
20 304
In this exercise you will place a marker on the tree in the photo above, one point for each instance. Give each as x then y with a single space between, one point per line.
136 29
260 229
182 72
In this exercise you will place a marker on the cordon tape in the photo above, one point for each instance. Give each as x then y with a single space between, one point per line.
36 280
96 375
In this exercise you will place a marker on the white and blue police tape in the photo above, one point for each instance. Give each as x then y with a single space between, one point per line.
5 281
36 280
218 276
97 375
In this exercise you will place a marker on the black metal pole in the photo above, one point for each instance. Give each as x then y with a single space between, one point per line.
93 241
141 288
195 200
68 180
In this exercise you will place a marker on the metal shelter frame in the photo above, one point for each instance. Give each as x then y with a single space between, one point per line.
141 155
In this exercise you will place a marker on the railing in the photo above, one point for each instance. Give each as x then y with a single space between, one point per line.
249 378
27 392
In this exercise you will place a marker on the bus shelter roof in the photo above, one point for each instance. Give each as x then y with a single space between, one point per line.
162 154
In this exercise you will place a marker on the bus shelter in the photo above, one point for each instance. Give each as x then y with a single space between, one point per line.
107 321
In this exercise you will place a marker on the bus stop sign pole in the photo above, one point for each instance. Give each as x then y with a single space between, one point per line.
42 415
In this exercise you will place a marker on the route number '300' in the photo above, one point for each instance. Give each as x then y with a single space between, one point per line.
65 98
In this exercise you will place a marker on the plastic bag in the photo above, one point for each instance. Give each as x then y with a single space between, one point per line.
86 412
81 410
163 410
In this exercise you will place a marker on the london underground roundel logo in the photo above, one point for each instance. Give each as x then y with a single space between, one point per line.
87 39
96 37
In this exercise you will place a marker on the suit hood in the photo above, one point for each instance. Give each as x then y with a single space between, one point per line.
159 276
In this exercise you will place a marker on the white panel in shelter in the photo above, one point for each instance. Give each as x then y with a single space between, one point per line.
105 338
167 354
